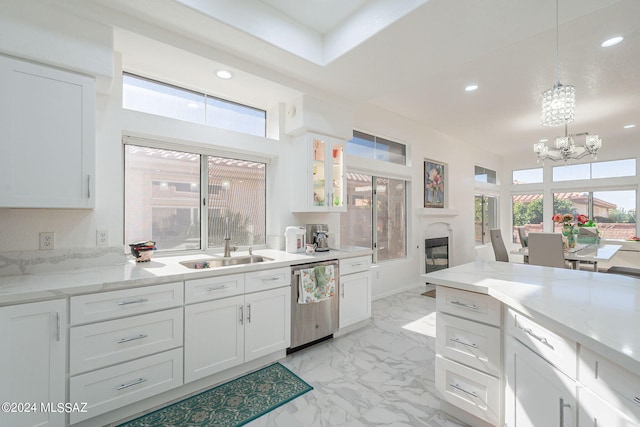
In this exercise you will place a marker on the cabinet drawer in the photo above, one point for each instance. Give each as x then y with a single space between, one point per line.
111 388
469 389
211 288
101 344
559 351
267 279
470 305
126 302
355 265
471 343
615 384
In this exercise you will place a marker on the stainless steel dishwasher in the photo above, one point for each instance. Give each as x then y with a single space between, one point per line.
316 321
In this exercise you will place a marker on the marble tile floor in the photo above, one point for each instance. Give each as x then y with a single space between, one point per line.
379 375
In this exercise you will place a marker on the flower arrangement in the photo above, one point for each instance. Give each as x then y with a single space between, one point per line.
564 219
568 228
584 221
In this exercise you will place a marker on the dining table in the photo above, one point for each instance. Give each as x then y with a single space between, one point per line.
590 253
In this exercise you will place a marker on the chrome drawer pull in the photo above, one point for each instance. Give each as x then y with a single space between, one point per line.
215 288
270 279
131 384
636 399
135 301
543 340
139 337
470 393
356 265
471 306
459 341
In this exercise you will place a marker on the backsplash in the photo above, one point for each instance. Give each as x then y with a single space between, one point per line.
35 262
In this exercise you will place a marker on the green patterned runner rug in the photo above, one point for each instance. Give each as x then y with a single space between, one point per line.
231 404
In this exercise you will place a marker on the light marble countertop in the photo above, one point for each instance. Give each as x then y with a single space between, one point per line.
600 311
23 288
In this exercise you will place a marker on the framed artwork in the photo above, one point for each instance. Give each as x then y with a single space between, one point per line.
434 184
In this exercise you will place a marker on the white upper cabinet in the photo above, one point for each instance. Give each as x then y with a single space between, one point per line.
47 137
319 174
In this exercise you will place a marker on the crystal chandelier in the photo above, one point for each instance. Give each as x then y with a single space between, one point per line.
559 102
566 148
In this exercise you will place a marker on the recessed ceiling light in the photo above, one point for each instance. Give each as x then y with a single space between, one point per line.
192 105
224 74
629 126
612 41
471 88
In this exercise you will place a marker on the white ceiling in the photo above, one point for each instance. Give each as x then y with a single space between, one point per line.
411 57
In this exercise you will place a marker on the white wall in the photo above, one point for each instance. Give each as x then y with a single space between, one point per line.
19 228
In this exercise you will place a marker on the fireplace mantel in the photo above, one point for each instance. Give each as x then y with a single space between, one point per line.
433 212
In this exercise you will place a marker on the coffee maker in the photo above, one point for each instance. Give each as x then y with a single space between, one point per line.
319 235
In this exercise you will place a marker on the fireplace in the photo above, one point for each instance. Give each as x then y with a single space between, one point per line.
436 254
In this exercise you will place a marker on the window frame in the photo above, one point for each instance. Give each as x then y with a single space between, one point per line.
203 204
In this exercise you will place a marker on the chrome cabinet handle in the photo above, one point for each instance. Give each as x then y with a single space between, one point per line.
135 301
356 265
216 288
459 341
242 314
543 340
562 406
124 340
57 326
636 399
271 279
470 393
249 313
131 384
470 306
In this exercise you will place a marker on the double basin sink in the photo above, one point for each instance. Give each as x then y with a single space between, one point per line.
224 261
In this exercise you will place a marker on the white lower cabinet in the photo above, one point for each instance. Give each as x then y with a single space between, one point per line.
226 332
355 290
595 412
469 352
34 370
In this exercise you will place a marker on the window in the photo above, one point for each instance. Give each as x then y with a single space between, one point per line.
486 217
611 169
485 175
527 213
163 199
613 210
527 176
153 97
373 147
389 236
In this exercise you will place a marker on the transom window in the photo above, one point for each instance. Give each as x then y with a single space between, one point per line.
376 148
154 97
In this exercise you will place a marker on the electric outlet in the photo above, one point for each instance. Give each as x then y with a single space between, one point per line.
47 240
102 238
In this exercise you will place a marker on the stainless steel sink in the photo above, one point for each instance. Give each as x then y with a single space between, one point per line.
224 261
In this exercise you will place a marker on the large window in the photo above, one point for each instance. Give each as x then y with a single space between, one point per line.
376 216
613 210
527 213
373 147
163 195
486 217
527 176
610 169
153 97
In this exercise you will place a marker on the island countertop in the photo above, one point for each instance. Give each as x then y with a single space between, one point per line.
598 310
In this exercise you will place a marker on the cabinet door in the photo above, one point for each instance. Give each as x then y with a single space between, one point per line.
355 298
213 337
47 122
32 361
594 412
268 322
319 174
537 394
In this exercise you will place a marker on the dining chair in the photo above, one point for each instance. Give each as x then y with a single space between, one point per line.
546 249
523 237
499 248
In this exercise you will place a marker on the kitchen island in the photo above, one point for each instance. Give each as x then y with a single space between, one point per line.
580 325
